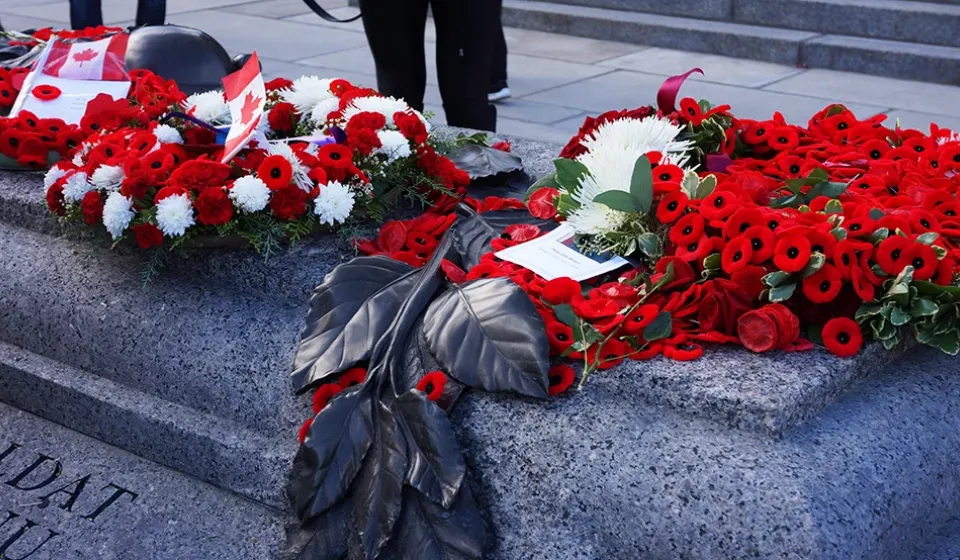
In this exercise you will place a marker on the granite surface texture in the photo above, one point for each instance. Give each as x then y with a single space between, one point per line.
113 505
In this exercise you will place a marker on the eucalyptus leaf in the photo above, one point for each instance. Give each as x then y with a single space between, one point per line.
690 183
649 244
774 279
879 235
566 315
867 310
898 317
838 233
620 200
641 183
834 207
816 262
923 308
833 189
928 238
875 214
782 292
661 327
706 187
569 173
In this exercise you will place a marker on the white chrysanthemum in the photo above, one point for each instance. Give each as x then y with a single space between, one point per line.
953 137
307 92
639 136
250 194
334 203
394 145
209 106
117 213
299 171
175 215
166 134
108 177
324 108
75 186
53 175
386 106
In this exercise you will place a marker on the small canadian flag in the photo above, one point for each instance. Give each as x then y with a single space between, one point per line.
246 96
97 60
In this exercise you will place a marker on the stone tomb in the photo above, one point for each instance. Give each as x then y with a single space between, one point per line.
158 422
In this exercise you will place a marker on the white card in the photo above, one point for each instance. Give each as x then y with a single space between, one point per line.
555 255
74 96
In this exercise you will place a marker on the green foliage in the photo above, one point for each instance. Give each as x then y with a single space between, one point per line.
661 327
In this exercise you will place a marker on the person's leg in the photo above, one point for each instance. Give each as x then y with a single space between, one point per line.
151 12
395 31
85 13
466 34
498 76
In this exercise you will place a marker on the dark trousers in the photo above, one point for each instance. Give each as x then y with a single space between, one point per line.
466 35
87 13
498 75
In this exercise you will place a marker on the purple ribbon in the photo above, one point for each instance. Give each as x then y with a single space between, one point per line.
186 117
718 163
667 94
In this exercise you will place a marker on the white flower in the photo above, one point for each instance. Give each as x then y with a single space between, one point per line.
108 177
307 92
324 108
117 213
393 144
175 215
639 136
53 175
166 134
250 194
210 107
334 203
386 106
75 186
299 171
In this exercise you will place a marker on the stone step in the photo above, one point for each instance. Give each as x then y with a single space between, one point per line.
944 544
804 48
66 496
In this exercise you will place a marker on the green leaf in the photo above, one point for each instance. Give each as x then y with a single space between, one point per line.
867 310
566 203
816 262
712 262
782 293
690 184
817 176
667 277
838 233
879 235
569 173
899 317
940 251
923 308
833 207
875 214
641 183
928 238
890 343
566 315
706 187
835 110
949 343
548 180
774 279
832 189
884 331
813 334
591 335
649 244
790 201
661 327
619 200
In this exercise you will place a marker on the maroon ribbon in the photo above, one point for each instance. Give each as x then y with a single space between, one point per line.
718 163
667 94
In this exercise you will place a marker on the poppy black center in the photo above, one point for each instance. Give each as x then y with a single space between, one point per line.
855 227
893 189
673 205
352 383
71 143
744 227
143 146
54 129
688 230
685 346
335 156
275 173
875 154
934 164
718 202
793 252
109 152
429 388
14 141
5 93
843 338
950 213
956 158
895 254
825 286
94 126
31 122
842 126
783 140
156 165
772 224
692 112
845 258
737 256
918 148
761 131
917 262
924 223
757 244
817 248
794 168
562 337
664 176
555 380
692 247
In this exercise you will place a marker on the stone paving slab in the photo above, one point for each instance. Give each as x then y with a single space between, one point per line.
66 496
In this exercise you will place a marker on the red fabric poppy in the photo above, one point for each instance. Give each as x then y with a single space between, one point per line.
842 336
783 139
276 172
335 156
456 274
757 133
860 227
846 255
671 207
609 355
432 384
945 270
213 207
824 285
485 270
288 203
736 255
648 352
922 258
592 309
351 377
640 318
322 396
92 207
791 253
421 242
412 259
822 242
560 336
667 173
691 111
561 290
688 229
719 205
542 203
762 242
757 331
148 235
561 377
890 254
684 352
742 220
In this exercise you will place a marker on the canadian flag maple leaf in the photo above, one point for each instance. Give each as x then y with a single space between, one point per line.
250 105
85 55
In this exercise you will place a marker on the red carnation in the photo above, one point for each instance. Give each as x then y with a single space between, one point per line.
842 336
213 207
323 395
433 384
283 118
411 127
92 208
55 199
148 235
561 378
278 84
288 203
199 174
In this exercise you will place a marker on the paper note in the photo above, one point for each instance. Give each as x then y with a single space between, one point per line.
555 255
74 96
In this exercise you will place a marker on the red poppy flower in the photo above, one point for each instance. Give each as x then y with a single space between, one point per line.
691 111
542 203
323 395
650 351
561 290
736 255
640 318
92 207
561 378
456 274
420 242
276 172
845 256
485 270
667 173
671 207
559 335
842 336
522 232
304 430
719 205
684 352
824 285
783 139
791 253
890 254
410 258
696 251
945 269
922 258
609 355
351 377
592 309
392 236
757 133
757 331
750 280
762 241
688 229
822 242
742 220
46 92
432 384
861 284
148 235
923 221
335 156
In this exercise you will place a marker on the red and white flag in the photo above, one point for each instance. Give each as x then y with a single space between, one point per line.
97 60
246 96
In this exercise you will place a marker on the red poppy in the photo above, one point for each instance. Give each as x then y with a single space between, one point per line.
691 111
420 242
561 290
762 241
456 274
559 335
148 235
650 351
719 205
432 384
323 395
791 253
736 255
667 173
410 258
923 221
922 258
542 203
640 318
890 254
757 133
392 236
335 156
683 352
351 377
304 430
688 229
609 355
596 308
757 331
822 242
742 220
861 284
697 250
486 270
783 139
845 256
945 268
276 172
824 285
842 336
671 207
561 378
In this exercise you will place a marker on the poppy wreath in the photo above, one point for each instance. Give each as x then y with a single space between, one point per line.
760 234
150 167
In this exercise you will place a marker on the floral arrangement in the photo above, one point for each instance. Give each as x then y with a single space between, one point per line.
150 167
761 234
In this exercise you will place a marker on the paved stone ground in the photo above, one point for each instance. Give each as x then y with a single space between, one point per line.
556 79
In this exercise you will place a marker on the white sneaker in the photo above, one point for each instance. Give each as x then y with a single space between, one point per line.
499 95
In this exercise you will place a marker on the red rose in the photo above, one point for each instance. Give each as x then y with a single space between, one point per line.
148 235
198 174
757 331
720 309
92 207
288 203
213 207
277 84
55 198
283 118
